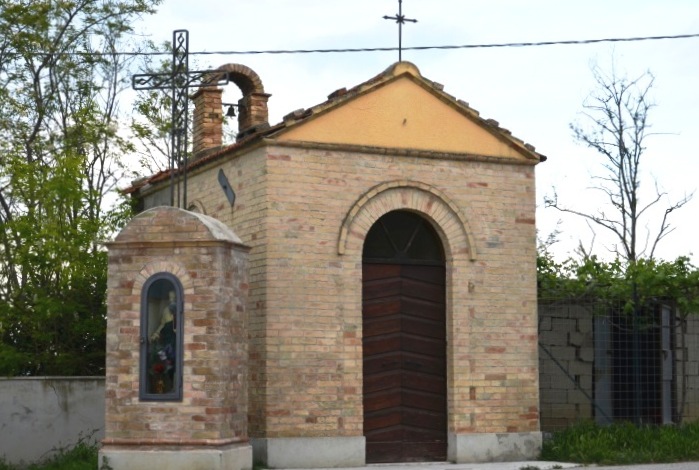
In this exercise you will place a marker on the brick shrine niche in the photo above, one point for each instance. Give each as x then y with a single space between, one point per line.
160 374
177 354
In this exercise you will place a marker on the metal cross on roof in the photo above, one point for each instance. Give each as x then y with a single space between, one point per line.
178 81
400 19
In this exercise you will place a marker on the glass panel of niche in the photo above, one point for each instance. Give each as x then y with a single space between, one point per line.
161 339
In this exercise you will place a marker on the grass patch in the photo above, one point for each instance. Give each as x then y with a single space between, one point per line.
81 456
623 443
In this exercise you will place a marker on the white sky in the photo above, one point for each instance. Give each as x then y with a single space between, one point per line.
535 92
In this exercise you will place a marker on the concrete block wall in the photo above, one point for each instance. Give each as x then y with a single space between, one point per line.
40 415
566 333
305 296
687 368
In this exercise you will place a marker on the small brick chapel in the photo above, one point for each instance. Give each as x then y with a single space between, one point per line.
355 284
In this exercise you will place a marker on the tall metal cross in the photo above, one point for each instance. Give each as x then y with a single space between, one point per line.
400 19
178 81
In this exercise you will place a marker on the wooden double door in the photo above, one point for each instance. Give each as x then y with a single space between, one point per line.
404 351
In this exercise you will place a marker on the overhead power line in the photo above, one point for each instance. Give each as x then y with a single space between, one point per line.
463 46
413 48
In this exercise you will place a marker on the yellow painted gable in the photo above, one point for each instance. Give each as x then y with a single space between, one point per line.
402 114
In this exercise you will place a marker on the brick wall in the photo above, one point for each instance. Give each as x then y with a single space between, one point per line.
305 297
248 218
208 120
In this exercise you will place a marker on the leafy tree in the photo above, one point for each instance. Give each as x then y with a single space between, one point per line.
60 77
617 127
151 123
590 279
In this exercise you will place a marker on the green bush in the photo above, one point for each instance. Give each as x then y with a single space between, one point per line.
623 443
82 456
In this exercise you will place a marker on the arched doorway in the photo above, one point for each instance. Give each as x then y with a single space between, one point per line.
404 341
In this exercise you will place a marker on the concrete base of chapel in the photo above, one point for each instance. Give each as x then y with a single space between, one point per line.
310 452
230 457
493 447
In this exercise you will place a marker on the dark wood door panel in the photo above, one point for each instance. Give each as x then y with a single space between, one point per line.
382 326
404 341
415 289
422 401
417 326
417 434
385 452
422 309
381 271
423 382
382 288
382 401
425 420
428 346
433 365
425 452
388 434
386 419
377 382
382 344
382 307
429 274
390 452
382 363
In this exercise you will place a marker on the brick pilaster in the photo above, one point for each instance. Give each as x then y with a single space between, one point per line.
208 120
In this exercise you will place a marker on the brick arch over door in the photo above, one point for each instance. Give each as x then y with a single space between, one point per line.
429 201
456 232
161 266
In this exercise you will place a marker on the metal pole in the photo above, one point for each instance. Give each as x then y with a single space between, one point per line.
178 81
400 19
636 361
400 30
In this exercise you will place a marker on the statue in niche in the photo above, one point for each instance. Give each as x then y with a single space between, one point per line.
161 359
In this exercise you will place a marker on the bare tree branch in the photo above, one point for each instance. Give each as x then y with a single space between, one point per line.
616 125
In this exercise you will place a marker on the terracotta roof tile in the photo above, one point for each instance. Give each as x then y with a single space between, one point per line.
335 99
